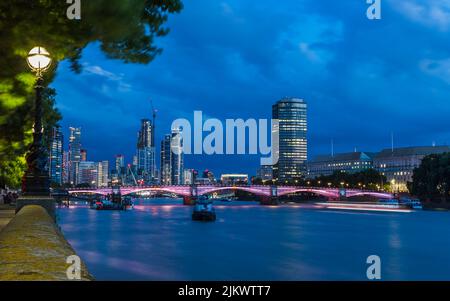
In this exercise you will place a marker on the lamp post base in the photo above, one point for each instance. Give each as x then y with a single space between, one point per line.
36 184
47 202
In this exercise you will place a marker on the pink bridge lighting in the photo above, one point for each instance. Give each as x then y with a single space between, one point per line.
260 190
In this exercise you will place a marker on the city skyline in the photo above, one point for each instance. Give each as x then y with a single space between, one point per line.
292 165
252 172
359 88
207 144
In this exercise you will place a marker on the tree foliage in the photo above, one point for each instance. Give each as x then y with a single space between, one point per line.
431 180
125 30
367 179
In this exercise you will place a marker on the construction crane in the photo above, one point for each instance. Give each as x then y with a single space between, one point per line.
154 111
132 174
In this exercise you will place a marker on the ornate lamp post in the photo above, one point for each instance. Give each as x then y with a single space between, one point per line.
36 180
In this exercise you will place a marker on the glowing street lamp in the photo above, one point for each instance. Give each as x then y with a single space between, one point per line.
393 185
36 180
39 60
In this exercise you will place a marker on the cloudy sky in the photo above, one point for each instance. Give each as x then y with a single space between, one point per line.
362 79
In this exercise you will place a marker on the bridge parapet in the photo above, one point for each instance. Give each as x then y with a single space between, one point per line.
260 190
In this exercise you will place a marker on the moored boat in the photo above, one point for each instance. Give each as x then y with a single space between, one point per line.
412 203
105 204
128 204
203 210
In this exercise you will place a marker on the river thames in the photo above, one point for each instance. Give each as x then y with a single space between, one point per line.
159 241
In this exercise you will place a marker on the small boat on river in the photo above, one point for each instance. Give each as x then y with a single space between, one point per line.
203 210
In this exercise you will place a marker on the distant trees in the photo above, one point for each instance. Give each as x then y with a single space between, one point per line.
256 181
431 180
366 179
124 30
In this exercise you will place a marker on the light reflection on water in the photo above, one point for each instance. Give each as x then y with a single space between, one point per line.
159 241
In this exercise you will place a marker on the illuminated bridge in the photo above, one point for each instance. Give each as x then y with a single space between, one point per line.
268 194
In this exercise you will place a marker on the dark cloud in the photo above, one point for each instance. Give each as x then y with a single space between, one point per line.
233 59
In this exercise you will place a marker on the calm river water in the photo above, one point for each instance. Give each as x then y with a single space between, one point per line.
159 241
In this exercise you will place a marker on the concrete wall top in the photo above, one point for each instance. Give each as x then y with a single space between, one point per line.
33 248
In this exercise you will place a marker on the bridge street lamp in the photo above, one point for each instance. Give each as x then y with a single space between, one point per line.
36 180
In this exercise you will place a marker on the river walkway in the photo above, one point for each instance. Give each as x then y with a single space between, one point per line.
7 212
33 248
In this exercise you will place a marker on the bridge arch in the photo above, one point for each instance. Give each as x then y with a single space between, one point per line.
178 190
321 192
91 192
263 191
381 195
258 191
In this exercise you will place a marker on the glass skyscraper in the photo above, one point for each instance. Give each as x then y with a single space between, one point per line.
146 162
75 144
56 156
291 114
177 157
166 161
74 154
120 168
119 163
172 159
87 173
103 174
66 167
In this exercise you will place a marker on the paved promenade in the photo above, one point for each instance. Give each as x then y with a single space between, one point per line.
33 248
6 214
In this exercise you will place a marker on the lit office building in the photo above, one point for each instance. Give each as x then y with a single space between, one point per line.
166 161
103 174
56 156
265 172
325 165
234 179
398 164
66 167
87 173
292 140
83 154
177 157
120 165
207 174
188 177
74 154
172 159
146 161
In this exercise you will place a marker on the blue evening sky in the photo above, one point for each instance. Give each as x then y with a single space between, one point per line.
362 79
